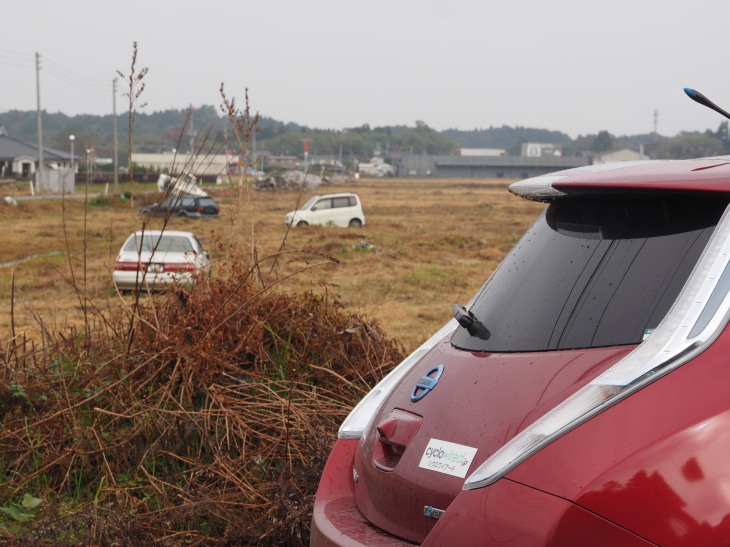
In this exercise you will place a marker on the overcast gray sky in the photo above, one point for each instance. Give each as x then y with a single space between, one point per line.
577 66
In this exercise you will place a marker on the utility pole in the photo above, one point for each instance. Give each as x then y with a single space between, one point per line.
116 142
253 162
192 134
38 121
90 160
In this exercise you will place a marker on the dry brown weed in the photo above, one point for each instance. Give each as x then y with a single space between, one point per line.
213 426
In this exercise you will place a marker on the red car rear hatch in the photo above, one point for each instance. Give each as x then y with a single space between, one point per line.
429 435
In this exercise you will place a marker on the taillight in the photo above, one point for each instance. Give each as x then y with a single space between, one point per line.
199 210
180 267
127 266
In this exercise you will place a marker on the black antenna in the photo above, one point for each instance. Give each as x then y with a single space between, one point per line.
700 98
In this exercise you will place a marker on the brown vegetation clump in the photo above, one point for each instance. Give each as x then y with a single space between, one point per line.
203 417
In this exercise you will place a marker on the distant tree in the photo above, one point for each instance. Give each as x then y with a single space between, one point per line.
580 144
516 148
688 146
722 134
61 141
603 142
423 139
158 131
364 128
505 137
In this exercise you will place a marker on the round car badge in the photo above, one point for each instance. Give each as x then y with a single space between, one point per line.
427 382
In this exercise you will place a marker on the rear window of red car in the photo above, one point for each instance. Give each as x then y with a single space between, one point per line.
592 273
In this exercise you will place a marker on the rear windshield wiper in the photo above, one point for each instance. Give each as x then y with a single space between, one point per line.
469 321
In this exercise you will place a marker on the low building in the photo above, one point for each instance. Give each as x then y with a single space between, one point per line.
376 167
177 163
540 149
329 163
482 152
510 167
20 160
283 162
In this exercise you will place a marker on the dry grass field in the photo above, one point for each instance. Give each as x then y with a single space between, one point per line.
427 245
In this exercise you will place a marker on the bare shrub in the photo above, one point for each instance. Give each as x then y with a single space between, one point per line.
213 427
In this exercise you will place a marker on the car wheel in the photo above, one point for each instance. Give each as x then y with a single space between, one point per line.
355 223
302 223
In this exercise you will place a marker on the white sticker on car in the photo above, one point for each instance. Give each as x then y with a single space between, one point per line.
449 458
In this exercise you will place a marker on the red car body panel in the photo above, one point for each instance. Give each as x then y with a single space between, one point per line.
338 520
507 513
394 500
655 467
649 470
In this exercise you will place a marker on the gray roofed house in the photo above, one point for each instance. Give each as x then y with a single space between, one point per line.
19 160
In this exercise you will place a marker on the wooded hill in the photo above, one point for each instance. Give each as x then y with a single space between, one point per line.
206 128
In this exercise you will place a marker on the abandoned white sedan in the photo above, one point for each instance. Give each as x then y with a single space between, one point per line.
155 259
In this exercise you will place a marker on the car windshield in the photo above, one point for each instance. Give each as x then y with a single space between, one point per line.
207 202
162 243
592 273
309 203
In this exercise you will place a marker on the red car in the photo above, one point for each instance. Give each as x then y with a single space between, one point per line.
581 398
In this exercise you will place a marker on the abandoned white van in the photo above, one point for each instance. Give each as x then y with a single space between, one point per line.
329 209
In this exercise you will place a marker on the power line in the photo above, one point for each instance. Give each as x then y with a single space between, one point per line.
74 78
98 86
16 54
58 72
16 59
